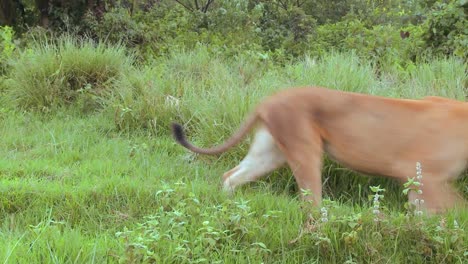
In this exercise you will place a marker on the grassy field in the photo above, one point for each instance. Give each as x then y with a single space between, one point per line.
94 177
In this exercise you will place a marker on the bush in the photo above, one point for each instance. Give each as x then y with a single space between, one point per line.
50 75
7 47
117 26
447 28
229 28
380 43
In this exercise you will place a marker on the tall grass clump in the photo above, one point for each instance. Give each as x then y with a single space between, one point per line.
66 71
143 101
195 88
341 71
442 77
158 93
220 93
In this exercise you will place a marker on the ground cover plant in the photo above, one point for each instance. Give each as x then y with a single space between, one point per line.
110 185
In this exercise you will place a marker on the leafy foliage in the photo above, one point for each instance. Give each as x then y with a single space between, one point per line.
7 46
280 29
381 43
183 231
447 28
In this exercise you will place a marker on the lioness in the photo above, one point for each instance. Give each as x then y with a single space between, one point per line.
369 134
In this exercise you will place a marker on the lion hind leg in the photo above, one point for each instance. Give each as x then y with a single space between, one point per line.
263 157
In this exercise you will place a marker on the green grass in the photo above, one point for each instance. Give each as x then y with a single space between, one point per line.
55 74
112 186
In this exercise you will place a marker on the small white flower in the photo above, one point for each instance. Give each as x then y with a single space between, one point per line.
422 201
375 211
418 171
172 101
324 214
222 11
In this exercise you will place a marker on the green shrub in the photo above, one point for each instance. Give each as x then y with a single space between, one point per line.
282 29
228 28
7 47
377 12
118 26
447 28
160 30
49 75
380 43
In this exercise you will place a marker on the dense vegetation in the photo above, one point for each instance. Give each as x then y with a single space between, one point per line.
89 172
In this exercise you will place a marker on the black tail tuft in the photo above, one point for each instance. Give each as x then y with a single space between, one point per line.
178 133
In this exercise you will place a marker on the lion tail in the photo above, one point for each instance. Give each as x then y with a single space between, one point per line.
179 136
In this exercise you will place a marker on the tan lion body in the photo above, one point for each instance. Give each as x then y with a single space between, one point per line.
370 134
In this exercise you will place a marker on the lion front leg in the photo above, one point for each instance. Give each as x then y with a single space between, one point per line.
307 173
305 160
